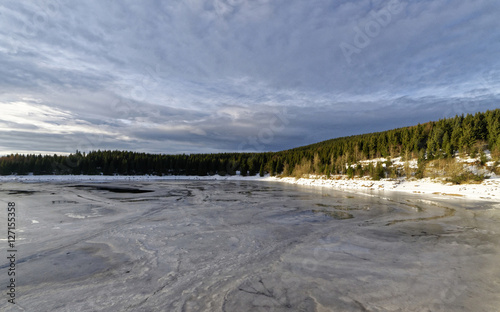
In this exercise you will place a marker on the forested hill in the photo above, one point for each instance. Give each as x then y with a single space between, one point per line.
470 134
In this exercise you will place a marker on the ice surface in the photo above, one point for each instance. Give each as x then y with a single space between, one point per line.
247 246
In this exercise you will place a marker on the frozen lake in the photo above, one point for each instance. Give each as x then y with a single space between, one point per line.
246 246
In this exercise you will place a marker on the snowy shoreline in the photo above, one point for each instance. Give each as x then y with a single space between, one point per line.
488 190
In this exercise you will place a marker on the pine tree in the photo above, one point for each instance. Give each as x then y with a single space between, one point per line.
317 164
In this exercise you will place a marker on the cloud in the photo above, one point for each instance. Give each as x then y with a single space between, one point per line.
198 76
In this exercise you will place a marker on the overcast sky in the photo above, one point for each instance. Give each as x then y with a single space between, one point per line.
237 75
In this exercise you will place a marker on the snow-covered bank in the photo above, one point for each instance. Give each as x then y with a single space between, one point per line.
489 189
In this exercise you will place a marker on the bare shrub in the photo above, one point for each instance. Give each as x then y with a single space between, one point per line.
303 169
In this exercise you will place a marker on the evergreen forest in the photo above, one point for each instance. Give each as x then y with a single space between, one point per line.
470 134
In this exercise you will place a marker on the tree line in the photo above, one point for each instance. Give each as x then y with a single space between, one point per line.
469 134
132 163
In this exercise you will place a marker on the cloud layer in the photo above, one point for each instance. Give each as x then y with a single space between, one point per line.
237 75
